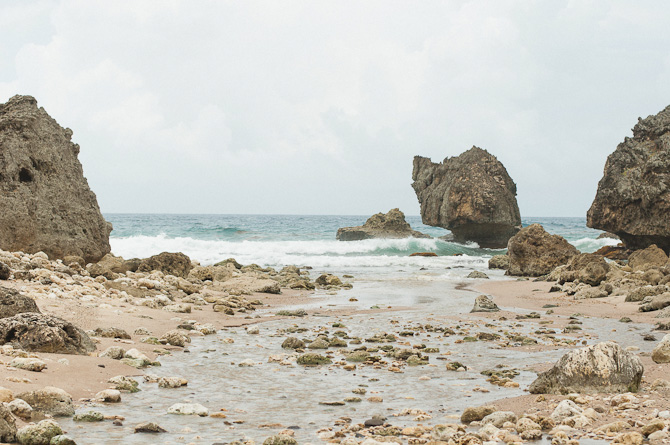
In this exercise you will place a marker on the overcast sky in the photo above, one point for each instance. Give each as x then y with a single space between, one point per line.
318 107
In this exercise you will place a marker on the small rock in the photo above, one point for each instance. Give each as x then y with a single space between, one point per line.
188 409
149 427
91 416
40 433
29 364
109 395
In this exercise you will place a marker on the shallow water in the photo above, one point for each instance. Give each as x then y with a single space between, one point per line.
269 393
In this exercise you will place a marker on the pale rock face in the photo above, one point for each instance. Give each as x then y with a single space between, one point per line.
661 353
605 367
633 199
188 409
49 400
472 195
46 203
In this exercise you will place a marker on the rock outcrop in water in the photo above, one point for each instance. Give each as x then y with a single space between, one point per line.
46 202
389 225
633 198
472 195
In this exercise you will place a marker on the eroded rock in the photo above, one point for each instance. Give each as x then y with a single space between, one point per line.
13 303
534 252
44 333
381 225
472 195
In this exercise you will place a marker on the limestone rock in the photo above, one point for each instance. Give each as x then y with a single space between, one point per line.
472 195
46 203
149 427
498 418
633 199
534 252
389 225
246 284
13 303
5 271
111 266
657 303
40 433
587 268
605 367
499 262
477 413
176 264
44 333
484 304
188 409
7 425
643 259
28 363
661 353
49 400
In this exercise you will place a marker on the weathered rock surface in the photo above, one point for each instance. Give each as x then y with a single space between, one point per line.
587 268
44 333
12 303
643 259
605 367
499 262
46 202
39 434
49 400
661 353
176 264
633 198
246 285
7 425
477 413
472 195
484 304
534 252
380 225
111 266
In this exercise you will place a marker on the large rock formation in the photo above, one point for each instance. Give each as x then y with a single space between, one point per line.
633 198
472 195
389 225
605 367
44 333
46 203
534 252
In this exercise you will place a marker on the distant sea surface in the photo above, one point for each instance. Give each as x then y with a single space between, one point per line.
279 240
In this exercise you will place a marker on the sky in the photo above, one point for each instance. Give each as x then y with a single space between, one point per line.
318 107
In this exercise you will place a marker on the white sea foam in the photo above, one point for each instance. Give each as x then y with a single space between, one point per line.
588 245
318 254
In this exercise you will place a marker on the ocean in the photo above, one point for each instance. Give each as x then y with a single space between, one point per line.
280 240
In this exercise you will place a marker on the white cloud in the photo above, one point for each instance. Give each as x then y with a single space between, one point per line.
319 107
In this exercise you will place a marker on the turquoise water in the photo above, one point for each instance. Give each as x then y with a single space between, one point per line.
278 240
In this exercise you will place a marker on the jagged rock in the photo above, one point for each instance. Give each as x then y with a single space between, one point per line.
633 199
640 293
389 225
534 252
49 400
477 413
176 264
46 202
614 252
214 273
484 304
643 259
7 425
587 268
472 195
328 279
13 303
111 266
605 367
657 303
661 353
44 333
499 262
246 284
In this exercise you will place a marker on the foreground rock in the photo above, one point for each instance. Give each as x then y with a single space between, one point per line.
7 425
41 433
13 303
389 225
605 367
46 202
633 199
484 304
661 353
49 400
472 195
176 264
44 333
534 252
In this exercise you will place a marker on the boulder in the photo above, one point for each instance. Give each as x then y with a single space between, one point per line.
661 353
176 264
149 427
5 271
44 333
605 367
7 425
49 400
657 303
587 268
472 195
534 252
246 284
41 433
13 303
46 202
477 413
111 266
499 262
389 225
484 304
633 199
643 259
